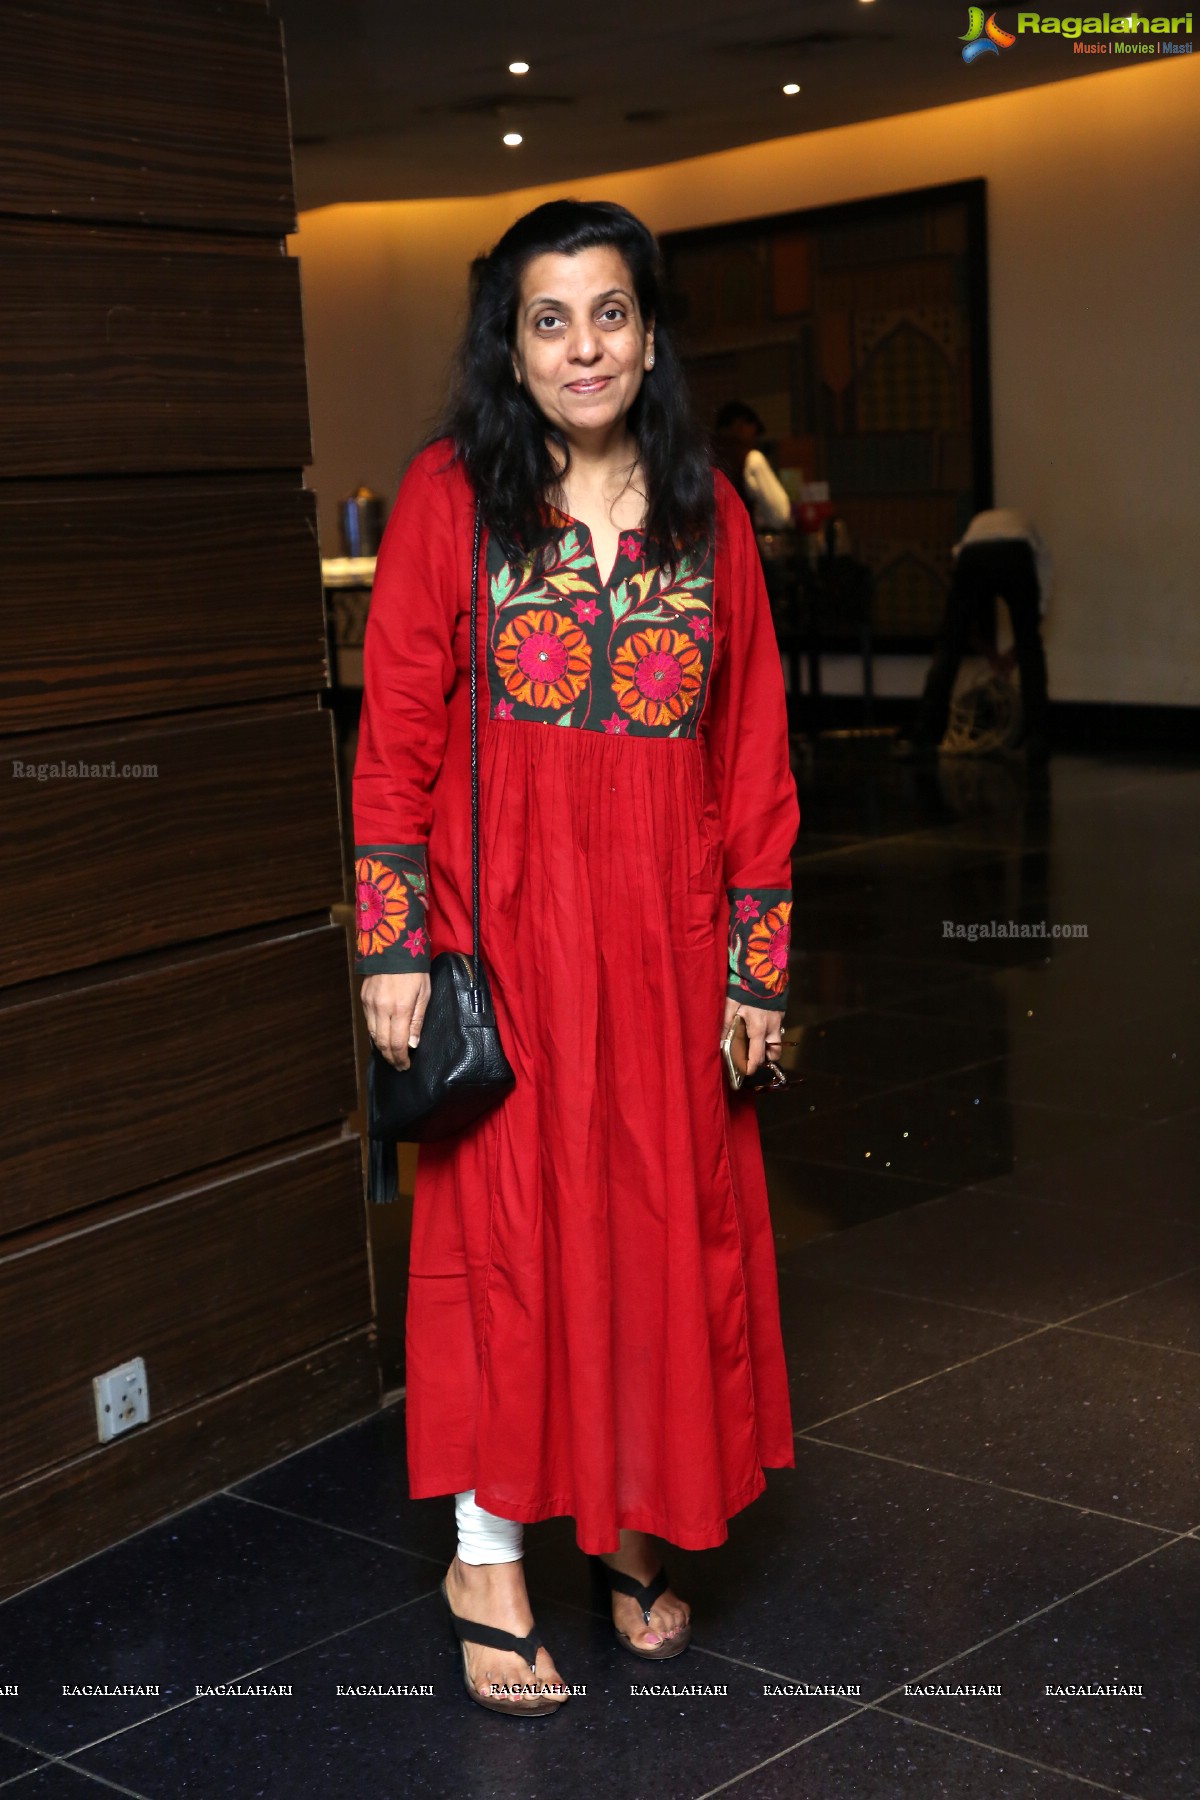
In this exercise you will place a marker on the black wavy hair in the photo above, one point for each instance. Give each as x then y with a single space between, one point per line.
500 435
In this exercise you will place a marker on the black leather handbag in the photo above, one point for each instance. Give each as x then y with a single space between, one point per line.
459 1070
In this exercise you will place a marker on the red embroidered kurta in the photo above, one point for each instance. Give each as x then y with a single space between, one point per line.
593 1318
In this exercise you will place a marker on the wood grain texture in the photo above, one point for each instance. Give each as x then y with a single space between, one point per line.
133 361
235 826
164 114
210 1284
71 1512
137 1078
35 237
148 602
177 1176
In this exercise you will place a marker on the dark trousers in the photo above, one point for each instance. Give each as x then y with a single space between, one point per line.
1004 567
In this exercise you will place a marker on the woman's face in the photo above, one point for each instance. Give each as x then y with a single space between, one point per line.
581 344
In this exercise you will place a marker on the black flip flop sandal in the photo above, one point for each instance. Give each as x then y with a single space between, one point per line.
471 1631
645 1594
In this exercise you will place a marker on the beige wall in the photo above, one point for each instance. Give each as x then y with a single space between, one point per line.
1094 243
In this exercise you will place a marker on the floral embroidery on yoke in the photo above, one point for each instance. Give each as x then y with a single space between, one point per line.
631 655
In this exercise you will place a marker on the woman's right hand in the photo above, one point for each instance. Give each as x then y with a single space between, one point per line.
395 1008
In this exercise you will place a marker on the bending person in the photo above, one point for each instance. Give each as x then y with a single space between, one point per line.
1000 555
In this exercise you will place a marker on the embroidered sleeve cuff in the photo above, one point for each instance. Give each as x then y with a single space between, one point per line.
760 929
390 886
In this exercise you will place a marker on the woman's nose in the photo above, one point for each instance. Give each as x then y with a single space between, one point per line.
584 344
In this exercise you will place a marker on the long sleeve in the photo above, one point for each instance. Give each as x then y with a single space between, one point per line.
769 499
1045 567
749 759
408 673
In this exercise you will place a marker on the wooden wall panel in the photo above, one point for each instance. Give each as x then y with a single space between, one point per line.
95 92
35 236
132 361
81 1506
252 1268
177 1176
141 602
237 827
176 1061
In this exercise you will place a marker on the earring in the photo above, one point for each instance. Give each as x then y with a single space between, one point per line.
650 360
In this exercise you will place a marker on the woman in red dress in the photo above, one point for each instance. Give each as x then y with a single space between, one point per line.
593 1320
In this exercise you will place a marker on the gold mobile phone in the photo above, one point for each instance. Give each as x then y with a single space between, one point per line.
735 1051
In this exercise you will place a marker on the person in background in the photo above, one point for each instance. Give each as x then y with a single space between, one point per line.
736 453
1000 554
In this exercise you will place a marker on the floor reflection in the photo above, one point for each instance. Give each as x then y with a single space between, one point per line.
924 1059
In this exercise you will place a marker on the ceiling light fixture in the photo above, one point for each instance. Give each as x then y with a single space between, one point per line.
791 87
518 68
513 138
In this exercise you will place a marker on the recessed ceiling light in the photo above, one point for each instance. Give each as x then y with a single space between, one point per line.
791 87
513 138
518 68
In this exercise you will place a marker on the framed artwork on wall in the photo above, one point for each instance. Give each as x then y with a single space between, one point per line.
859 334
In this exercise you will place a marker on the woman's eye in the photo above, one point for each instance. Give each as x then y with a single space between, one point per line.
613 314
547 321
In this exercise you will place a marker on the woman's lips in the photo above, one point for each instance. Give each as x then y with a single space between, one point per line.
592 385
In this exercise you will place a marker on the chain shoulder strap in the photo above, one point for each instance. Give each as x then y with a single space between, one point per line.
476 993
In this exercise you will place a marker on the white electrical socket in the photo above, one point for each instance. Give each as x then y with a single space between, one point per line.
122 1399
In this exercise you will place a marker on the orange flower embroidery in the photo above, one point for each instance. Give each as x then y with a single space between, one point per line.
543 659
767 948
381 898
656 674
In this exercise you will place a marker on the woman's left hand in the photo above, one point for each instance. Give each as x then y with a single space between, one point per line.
764 1029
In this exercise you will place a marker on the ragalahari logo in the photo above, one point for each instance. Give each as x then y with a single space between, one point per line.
982 39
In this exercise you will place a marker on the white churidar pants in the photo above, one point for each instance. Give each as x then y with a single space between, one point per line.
484 1537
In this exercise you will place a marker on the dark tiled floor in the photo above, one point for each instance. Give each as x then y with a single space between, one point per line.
985 1191
933 1132
1136 1629
1006 1254
1154 1172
